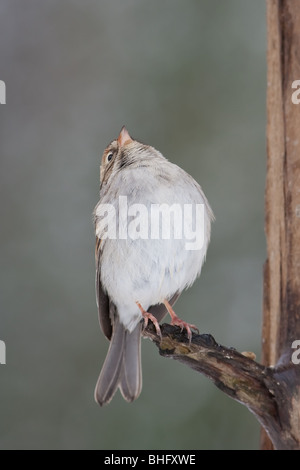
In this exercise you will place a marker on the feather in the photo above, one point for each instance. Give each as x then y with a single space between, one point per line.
131 377
109 377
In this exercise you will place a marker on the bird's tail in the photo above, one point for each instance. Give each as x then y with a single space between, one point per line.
122 365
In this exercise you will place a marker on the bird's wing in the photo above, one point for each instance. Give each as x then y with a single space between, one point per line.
103 302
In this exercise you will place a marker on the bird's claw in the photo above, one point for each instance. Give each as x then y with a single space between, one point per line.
148 316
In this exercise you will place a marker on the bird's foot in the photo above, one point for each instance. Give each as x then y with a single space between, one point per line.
176 321
148 316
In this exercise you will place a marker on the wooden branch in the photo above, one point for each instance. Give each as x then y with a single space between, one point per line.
262 389
281 319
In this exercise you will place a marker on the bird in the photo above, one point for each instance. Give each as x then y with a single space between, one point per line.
141 271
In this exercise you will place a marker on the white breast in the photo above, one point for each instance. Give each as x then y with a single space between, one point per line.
151 270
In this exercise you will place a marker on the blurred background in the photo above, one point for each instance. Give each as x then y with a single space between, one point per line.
188 78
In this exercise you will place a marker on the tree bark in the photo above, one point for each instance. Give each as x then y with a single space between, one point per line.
281 325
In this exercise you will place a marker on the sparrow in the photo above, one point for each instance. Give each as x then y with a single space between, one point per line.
141 272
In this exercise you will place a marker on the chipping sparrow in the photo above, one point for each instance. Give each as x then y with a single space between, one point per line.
141 276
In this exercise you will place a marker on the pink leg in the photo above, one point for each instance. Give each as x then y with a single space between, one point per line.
148 316
178 322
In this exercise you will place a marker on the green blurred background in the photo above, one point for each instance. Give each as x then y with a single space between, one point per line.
189 78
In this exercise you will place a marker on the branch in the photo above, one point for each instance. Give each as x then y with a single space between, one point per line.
262 389
281 325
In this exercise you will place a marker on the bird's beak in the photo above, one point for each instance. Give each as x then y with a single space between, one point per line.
124 138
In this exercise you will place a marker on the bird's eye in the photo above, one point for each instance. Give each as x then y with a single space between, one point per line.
109 156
